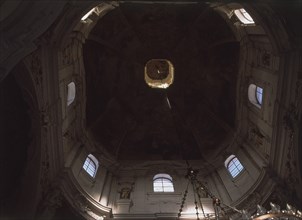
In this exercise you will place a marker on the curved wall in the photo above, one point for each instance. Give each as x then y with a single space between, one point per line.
267 57
252 144
260 58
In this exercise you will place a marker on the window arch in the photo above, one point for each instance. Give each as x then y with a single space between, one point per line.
163 183
243 16
255 94
87 14
233 165
71 92
91 165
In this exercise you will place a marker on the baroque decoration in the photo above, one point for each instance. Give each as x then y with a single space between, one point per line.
159 73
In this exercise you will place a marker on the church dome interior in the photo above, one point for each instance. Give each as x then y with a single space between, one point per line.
150 110
134 121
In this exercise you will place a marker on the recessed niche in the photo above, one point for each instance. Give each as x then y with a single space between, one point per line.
159 73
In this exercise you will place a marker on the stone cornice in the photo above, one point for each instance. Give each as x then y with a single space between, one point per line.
80 200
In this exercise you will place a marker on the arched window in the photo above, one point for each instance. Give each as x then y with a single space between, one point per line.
255 94
91 165
243 16
71 92
233 165
162 183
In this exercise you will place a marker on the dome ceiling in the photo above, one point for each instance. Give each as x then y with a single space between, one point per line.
188 120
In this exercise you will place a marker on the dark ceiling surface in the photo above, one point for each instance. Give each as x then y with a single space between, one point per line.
135 122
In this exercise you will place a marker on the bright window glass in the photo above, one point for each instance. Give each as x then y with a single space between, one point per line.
163 183
71 92
243 16
87 15
90 165
255 94
233 165
259 92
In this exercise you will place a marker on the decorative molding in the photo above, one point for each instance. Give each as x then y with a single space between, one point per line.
298 96
54 198
33 63
260 190
72 51
125 189
82 205
45 170
250 203
258 139
281 191
290 123
66 54
51 201
45 118
290 118
80 199
266 59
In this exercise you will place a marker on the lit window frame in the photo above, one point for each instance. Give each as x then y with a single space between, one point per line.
86 16
253 95
244 17
71 93
90 165
163 183
233 166
259 95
